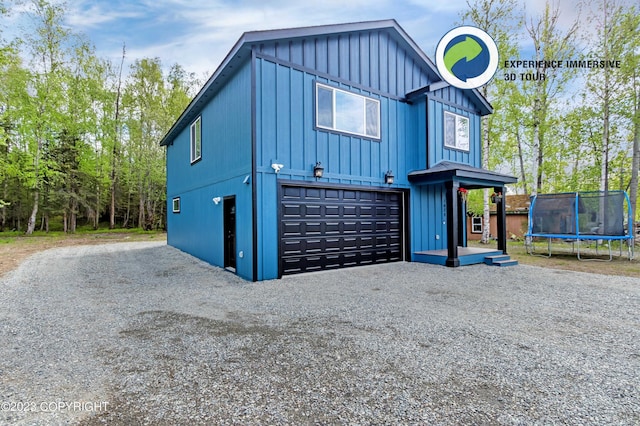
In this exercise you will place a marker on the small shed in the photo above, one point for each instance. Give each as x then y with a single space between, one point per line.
517 211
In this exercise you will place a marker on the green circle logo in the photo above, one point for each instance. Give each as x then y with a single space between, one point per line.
467 57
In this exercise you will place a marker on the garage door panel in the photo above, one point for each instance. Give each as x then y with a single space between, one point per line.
332 211
349 211
332 194
291 229
291 210
333 244
349 227
332 228
366 211
313 210
328 228
291 192
367 227
312 228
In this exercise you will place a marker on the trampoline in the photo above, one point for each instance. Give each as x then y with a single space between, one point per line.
576 217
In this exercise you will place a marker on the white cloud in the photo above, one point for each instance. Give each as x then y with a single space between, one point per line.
95 14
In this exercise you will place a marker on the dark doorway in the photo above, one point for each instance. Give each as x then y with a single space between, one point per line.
230 232
462 223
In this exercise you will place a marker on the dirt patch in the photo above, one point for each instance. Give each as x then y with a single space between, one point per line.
13 250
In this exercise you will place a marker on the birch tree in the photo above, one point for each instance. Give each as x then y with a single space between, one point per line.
47 60
496 18
629 74
549 41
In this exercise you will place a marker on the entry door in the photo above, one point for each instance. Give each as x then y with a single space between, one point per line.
230 232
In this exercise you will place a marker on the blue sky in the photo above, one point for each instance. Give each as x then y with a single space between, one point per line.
197 34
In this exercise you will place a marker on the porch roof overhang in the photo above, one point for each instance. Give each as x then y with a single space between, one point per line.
468 176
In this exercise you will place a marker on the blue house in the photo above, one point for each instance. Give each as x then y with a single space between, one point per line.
326 147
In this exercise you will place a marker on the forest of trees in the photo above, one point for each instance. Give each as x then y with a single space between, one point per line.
79 134
562 129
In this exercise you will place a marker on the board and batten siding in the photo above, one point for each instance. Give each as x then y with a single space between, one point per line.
286 134
372 59
225 163
453 100
428 212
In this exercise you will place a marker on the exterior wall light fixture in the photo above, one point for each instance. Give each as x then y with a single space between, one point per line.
318 170
388 177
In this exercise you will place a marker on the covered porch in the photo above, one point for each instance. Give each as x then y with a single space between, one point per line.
454 177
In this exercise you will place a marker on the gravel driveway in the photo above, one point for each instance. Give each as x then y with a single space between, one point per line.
141 333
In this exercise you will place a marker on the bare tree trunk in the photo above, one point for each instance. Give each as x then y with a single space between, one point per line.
114 153
31 224
125 222
151 207
73 211
604 160
3 206
96 215
523 175
536 147
635 165
112 206
141 215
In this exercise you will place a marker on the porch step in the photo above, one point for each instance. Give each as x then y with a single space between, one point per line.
500 260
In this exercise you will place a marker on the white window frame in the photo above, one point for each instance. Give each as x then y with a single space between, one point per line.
364 99
176 204
195 139
476 221
455 138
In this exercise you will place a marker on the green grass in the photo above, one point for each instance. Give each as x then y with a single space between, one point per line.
7 237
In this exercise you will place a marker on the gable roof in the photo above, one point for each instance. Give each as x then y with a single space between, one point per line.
471 177
241 52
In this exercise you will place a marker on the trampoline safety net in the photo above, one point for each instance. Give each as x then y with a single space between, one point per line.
593 213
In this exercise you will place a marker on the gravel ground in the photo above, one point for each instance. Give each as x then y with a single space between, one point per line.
141 333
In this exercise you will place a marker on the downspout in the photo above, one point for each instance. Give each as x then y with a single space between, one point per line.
254 189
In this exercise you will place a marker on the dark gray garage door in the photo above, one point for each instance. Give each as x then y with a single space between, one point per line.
324 228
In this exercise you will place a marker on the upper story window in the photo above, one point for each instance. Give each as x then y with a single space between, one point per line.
347 112
456 131
196 140
176 205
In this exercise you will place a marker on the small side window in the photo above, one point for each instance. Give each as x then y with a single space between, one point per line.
476 225
176 205
456 131
196 140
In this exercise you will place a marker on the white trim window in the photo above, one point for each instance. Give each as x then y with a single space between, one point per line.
476 224
456 131
347 112
196 140
176 205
